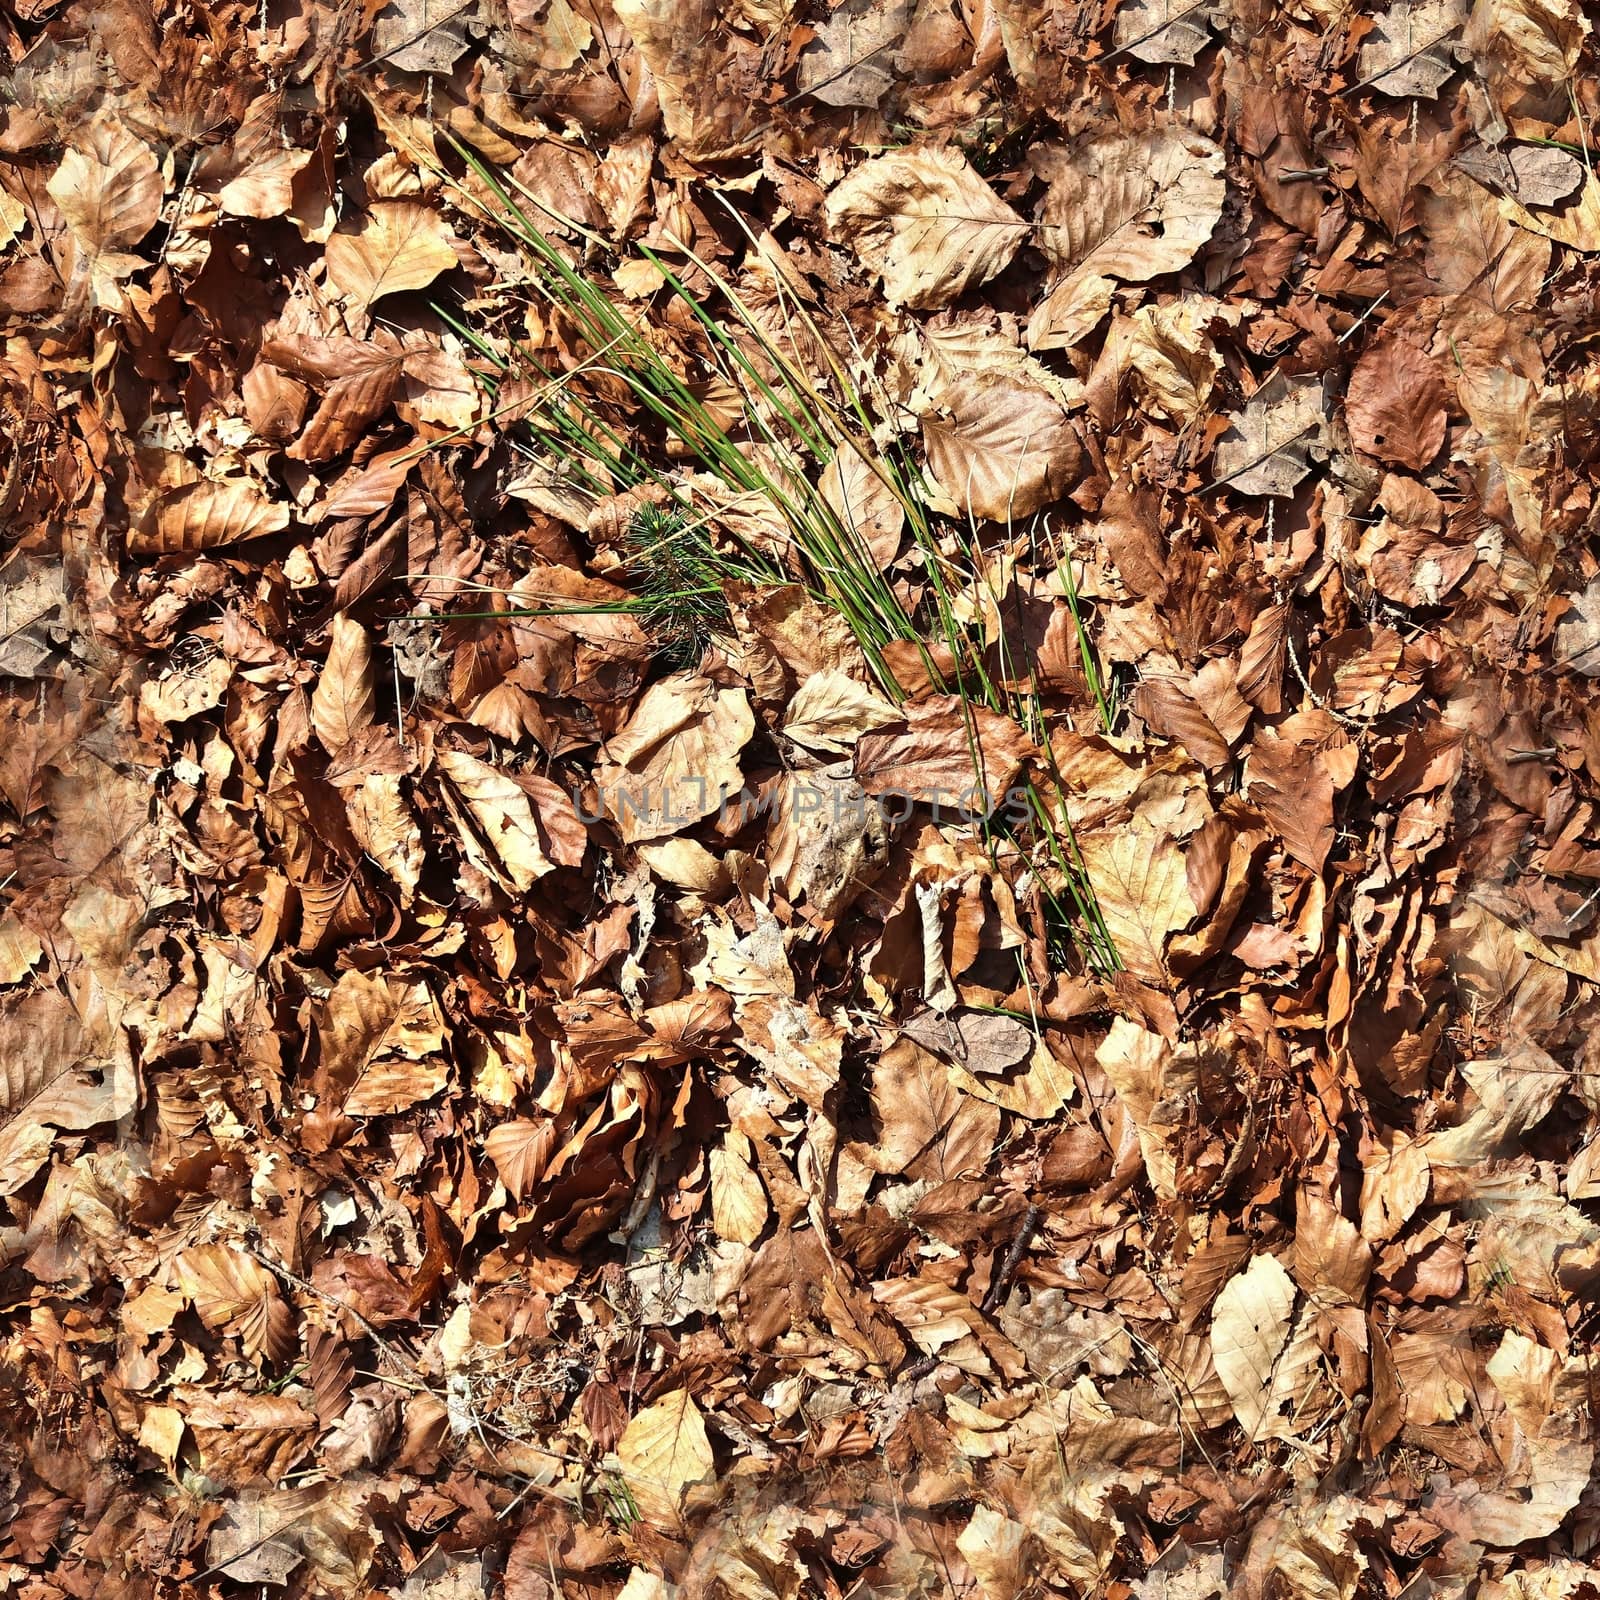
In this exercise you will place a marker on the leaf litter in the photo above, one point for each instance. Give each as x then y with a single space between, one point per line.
798 800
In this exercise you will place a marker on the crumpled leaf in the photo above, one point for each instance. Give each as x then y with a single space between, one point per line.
945 752
926 223
504 817
1123 209
676 757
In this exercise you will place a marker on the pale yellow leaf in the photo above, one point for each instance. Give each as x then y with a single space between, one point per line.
503 814
108 187
738 1202
1249 1331
664 1452
1141 885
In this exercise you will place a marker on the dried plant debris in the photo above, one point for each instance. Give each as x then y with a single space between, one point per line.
799 801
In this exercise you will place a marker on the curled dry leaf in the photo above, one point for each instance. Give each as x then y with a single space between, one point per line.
204 515
503 816
926 223
1123 209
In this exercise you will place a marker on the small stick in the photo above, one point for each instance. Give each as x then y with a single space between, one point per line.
1013 1258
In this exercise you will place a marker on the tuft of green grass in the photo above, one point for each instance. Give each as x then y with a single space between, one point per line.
630 415
676 572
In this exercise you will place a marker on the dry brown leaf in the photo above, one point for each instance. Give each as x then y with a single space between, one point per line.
1396 405
1256 1358
108 187
1292 787
831 710
851 62
384 826
381 1042
341 703
1412 47
233 1293
520 1151
676 757
1267 449
204 515
1165 32
57 1071
864 503
926 223
398 245
1122 209
944 752
739 1209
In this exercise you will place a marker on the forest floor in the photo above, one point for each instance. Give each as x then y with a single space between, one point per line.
799 801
